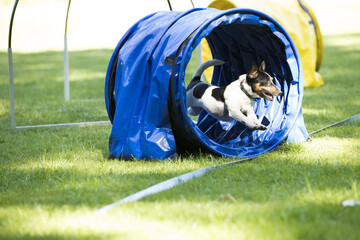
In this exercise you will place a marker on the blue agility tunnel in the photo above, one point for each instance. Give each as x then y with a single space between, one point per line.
145 91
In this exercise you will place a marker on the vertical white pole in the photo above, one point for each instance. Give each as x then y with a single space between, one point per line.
11 71
66 71
66 59
11 89
200 60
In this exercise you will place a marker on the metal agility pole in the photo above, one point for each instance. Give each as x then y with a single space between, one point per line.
11 71
171 183
66 59
67 67
66 81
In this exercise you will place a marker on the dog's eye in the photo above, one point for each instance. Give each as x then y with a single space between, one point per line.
265 83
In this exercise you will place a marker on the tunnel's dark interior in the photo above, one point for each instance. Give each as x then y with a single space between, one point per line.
239 45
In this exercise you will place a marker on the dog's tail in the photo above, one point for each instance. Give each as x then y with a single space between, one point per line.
205 65
196 78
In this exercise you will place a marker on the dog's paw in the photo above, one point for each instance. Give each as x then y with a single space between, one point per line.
259 127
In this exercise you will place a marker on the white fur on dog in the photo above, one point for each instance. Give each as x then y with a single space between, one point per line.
234 101
236 104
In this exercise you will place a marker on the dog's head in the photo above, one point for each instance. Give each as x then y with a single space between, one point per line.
262 83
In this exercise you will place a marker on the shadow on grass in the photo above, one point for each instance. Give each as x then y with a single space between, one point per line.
286 197
39 142
41 74
271 181
68 183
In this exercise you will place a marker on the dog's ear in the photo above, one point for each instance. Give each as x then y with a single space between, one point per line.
262 66
254 71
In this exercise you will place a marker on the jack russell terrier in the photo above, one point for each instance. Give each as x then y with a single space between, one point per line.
234 101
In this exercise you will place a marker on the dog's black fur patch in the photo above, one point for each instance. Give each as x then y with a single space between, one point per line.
200 89
218 94
193 83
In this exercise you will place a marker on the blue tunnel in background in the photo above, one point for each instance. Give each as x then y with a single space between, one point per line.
145 91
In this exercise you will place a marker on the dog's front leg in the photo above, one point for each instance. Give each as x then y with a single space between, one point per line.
251 114
250 120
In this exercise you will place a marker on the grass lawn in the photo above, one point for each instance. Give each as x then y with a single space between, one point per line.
53 179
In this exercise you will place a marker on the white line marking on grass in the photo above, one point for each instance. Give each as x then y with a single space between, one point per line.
353 118
88 100
78 124
170 183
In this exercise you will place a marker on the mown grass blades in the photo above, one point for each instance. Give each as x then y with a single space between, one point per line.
39 94
52 180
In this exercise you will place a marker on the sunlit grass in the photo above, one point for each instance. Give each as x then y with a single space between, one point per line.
52 180
39 87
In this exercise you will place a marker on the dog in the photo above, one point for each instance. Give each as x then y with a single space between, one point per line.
233 101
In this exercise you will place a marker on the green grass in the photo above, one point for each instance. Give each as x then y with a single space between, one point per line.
52 180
